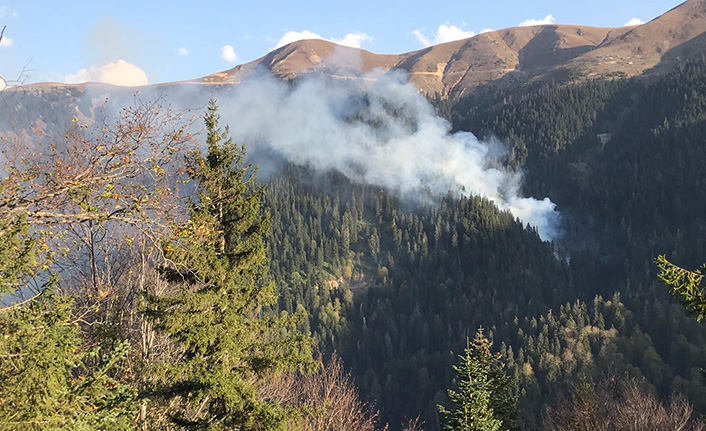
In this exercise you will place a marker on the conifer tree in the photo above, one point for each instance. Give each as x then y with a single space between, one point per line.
48 381
685 285
482 401
221 317
17 254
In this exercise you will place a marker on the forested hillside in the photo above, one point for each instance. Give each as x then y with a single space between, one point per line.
144 258
397 286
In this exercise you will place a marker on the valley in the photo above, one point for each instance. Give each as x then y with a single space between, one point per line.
376 210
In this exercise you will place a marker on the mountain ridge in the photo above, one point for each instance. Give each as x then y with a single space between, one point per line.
507 58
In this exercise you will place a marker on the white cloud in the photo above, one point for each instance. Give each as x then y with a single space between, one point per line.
354 40
445 33
293 36
487 30
183 51
634 22
228 54
549 19
449 33
422 38
119 73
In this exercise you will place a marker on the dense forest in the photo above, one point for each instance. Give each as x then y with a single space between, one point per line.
165 288
397 286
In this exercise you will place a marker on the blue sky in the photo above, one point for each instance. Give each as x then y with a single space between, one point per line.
167 41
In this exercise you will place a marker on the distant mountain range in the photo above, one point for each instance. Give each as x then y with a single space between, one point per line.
506 58
509 57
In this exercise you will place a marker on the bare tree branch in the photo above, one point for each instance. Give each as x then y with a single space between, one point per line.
21 78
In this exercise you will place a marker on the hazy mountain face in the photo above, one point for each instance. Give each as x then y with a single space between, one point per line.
385 134
352 110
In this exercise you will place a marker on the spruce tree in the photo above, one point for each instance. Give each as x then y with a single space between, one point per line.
48 382
482 400
685 285
221 317
17 254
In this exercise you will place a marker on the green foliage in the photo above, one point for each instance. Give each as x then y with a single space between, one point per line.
48 383
685 285
48 380
396 309
220 317
483 400
552 117
17 255
394 285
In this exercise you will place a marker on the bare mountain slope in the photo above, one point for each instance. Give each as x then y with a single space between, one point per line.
654 47
448 68
508 58
307 56
517 54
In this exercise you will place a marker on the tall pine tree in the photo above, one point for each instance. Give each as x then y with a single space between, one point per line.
483 399
221 318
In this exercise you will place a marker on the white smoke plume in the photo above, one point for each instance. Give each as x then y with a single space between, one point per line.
380 132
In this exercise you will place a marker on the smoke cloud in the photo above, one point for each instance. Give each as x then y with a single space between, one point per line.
377 130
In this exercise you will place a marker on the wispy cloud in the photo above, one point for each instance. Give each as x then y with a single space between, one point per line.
183 51
633 22
4 12
354 40
118 73
549 19
445 33
228 54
